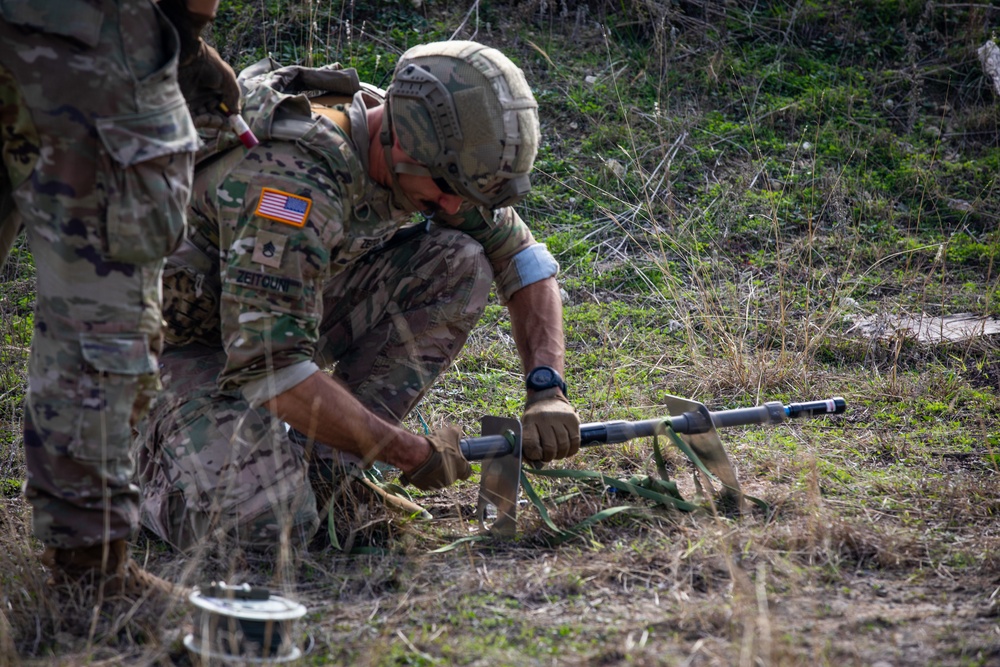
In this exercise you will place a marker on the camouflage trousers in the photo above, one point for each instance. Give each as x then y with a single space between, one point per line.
213 467
97 150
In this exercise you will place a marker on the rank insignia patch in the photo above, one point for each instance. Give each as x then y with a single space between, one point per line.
268 248
283 207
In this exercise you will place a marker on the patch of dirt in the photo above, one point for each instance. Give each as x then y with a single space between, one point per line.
645 602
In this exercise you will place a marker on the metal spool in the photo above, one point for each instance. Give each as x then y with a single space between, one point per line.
242 625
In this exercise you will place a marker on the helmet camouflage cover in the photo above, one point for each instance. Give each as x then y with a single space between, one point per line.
466 112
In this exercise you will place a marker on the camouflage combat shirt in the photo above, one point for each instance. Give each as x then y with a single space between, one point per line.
284 217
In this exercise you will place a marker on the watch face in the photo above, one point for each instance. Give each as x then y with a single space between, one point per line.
541 376
544 377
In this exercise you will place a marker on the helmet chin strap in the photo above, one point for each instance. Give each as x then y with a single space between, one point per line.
385 138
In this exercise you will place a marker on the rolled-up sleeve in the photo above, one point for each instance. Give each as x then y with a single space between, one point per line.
260 391
502 233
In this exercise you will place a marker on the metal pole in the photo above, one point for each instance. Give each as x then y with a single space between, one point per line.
693 422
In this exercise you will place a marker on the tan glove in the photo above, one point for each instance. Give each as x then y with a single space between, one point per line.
550 427
204 77
445 465
207 80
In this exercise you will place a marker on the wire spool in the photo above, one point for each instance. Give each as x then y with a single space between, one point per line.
242 625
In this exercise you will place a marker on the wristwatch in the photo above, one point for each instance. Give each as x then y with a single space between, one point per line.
545 377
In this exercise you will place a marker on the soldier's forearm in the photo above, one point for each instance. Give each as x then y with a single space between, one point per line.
536 322
327 412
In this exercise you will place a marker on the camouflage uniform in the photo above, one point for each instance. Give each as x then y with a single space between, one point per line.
97 151
293 266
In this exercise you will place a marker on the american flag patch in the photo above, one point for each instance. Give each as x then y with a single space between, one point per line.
283 207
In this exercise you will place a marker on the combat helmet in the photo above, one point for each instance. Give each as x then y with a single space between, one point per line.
465 112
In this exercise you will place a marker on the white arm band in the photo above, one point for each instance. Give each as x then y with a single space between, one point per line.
533 264
259 392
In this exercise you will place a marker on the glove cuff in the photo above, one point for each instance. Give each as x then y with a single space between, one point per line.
444 466
416 477
546 394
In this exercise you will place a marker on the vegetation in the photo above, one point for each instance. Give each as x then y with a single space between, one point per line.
744 199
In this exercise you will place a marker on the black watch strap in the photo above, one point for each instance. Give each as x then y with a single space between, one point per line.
545 377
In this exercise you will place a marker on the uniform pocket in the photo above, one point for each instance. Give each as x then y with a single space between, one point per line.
115 387
145 170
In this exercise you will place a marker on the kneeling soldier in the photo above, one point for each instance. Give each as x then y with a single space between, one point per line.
301 259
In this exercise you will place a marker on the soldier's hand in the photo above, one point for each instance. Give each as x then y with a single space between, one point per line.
207 80
445 465
550 427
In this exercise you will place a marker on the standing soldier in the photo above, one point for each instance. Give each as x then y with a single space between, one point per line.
97 147
296 266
